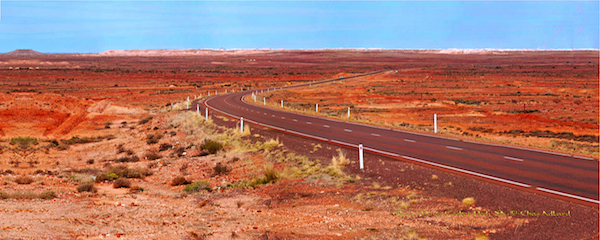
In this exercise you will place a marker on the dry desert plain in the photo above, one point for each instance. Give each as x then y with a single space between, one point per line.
92 149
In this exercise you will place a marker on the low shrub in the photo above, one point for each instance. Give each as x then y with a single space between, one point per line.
24 180
179 151
211 146
153 138
145 120
164 147
135 189
151 155
87 188
220 169
197 186
179 181
24 142
4 195
122 183
47 195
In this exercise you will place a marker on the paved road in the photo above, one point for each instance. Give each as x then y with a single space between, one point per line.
559 175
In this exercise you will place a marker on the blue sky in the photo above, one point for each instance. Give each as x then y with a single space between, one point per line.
96 26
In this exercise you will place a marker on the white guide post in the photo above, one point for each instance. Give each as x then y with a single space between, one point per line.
435 123
195 97
225 90
360 156
200 95
209 93
281 103
317 108
242 125
206 110
198 109
261 91
187 104
264 101
348 112
215 92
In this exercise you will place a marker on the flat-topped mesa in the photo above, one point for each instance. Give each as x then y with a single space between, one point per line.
24 53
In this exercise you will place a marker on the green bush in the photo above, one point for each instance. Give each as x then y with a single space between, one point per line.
211 146
197 186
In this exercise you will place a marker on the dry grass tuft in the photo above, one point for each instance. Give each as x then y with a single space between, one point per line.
468 201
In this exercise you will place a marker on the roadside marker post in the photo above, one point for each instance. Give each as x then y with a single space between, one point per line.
209 93
206 110
281 103
242 125
198 109
195 97
317 109
348 112
264 101
360 156
215 92
187 105
225 90
434 123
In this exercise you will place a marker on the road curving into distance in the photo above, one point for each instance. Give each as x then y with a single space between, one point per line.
563 176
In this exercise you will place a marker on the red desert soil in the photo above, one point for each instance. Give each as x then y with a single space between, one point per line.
83 120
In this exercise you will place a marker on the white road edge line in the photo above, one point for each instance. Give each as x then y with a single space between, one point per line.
382 152
409 140
454 148
347 130
307 135
375 134
326 126
514 159
468 172
295 120
308 123
568 195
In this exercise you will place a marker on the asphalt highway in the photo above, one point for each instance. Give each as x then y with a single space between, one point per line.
555 174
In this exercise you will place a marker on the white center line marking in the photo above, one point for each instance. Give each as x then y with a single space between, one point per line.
454 148
514 159
282 117
326 126
409 140
265 113
308 123
295 120
375 134
347 130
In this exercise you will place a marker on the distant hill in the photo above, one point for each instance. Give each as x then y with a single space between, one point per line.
23 53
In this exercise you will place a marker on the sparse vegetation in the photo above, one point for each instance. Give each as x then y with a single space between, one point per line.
197 186
24 142
122 183
220 169
87 188
468 201
179 181
211 146
24 180
153 138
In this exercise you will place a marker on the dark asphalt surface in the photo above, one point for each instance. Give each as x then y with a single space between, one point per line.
557 174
